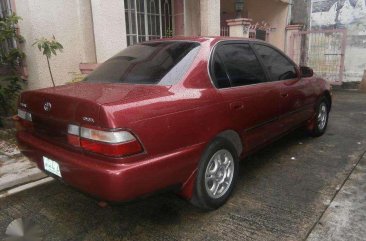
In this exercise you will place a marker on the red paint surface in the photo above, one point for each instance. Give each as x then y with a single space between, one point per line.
173 123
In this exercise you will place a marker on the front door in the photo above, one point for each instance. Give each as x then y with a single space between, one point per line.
253 102
294 91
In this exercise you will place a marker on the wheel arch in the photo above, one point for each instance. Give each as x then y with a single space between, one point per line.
230 135
328 97
234 138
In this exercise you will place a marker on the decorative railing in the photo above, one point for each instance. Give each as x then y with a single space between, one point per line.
256 31
225 31
260 31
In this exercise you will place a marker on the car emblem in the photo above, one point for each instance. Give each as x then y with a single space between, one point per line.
47 106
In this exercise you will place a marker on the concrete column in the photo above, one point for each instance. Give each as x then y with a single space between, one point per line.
178 17
109 28
210 17
239 27
192 19
86 32
293 41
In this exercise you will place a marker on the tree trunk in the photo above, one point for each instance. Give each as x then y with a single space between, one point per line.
49 68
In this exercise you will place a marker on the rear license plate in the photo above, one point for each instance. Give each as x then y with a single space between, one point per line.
51 166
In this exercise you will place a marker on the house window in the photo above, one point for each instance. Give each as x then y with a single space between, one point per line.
148 19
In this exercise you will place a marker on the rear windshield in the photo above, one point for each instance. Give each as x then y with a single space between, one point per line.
162 63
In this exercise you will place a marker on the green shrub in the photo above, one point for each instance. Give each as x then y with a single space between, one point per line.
10 63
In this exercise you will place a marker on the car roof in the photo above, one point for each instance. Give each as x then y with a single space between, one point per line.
212 39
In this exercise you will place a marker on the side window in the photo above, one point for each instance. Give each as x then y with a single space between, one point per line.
236 65
278 66
220 76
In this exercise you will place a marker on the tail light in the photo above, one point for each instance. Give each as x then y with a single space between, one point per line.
25 120
109 143
73 135
24 115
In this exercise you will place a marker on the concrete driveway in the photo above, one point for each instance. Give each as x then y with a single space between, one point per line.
282 193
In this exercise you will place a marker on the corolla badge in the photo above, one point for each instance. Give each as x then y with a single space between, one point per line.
88 119
47 106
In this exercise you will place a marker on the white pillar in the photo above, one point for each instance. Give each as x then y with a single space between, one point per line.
109 28
210 17
293 42
239 27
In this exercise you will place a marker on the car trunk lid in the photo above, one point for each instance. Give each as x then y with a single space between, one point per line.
53 109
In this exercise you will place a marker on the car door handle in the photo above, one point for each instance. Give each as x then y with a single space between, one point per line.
237 105
284 95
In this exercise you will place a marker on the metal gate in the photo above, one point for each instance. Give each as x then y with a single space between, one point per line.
322 50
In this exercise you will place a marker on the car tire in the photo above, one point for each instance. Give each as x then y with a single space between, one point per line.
217 174
320 121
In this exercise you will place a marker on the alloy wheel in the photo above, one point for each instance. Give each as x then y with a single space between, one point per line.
219 174
322 116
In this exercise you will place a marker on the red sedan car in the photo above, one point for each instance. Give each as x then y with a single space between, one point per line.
177 113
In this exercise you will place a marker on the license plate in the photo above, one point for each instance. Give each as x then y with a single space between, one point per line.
51 166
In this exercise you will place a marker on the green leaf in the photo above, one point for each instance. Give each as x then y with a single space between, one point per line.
60 45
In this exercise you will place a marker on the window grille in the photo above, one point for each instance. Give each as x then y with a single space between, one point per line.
147 20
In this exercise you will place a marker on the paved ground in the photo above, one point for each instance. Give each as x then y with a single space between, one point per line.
345 219
15 169
282 193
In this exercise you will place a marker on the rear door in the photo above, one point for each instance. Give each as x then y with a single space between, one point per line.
252 101
294 91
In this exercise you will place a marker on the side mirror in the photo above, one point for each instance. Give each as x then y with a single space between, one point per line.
306 72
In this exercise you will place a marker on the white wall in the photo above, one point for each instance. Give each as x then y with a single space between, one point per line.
109 28
352 16
70 22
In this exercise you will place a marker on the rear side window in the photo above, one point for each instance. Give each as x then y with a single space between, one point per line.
162 63
236 65
220 75
278 66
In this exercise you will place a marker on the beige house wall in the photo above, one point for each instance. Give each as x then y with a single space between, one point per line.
70 22
275 13
109 28
94 30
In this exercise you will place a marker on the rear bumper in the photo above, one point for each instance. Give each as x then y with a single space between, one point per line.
111 181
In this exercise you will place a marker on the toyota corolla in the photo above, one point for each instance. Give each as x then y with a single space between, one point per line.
177 113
